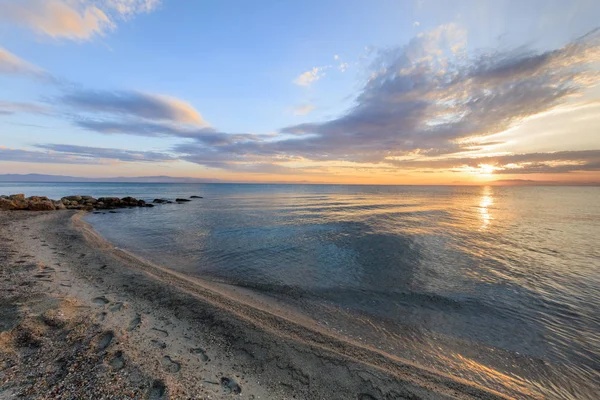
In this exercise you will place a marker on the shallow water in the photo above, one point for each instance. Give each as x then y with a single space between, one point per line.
498 285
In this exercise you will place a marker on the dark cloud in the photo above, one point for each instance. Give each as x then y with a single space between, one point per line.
69 154
132 104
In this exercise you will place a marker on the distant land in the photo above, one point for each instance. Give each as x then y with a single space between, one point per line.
138 179
43 178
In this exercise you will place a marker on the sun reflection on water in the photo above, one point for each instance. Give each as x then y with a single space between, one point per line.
486 201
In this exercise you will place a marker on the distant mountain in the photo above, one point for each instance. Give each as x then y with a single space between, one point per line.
137 179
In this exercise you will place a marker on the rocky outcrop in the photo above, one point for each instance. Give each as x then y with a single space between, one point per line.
182 200
196 197
87 203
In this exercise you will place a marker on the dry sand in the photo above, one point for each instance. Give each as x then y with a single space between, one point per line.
80 319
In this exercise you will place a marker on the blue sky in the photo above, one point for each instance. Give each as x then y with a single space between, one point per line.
311 91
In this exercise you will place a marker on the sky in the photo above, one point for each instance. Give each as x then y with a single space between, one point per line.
334 91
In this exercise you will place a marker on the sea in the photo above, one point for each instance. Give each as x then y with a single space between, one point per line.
496 285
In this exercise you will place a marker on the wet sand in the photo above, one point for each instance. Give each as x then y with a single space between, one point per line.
81 319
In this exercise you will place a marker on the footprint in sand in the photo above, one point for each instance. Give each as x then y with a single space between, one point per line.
117 362
230 386
160 332
170 365
116 307
157 391
101 301
158 344
101 316
104 340
135 323
201 354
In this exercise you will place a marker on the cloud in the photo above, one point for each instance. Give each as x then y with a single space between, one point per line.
129 8
309 77
8 108
205 135
13 65
303 109
430 100
72 19
416 23
426 98
133 104
527 163
69 154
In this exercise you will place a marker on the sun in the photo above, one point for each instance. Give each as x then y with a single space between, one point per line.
486 169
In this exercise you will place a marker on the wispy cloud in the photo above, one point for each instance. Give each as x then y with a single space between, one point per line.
70 154
10 107
303 109
131 103
10 64
72 19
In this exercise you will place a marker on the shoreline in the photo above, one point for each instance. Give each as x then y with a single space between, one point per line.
182 337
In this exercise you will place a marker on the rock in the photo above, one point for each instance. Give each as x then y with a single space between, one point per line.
44 205
74 203
58 205
159 201
73 198
20 196
37 198
148 205
6 204
182 200
196 197
20 205
87 198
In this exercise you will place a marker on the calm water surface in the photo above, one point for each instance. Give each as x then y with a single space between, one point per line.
498 285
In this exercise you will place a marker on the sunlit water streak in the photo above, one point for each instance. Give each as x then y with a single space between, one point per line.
497 285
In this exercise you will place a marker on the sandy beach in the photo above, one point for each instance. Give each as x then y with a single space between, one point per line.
83 319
